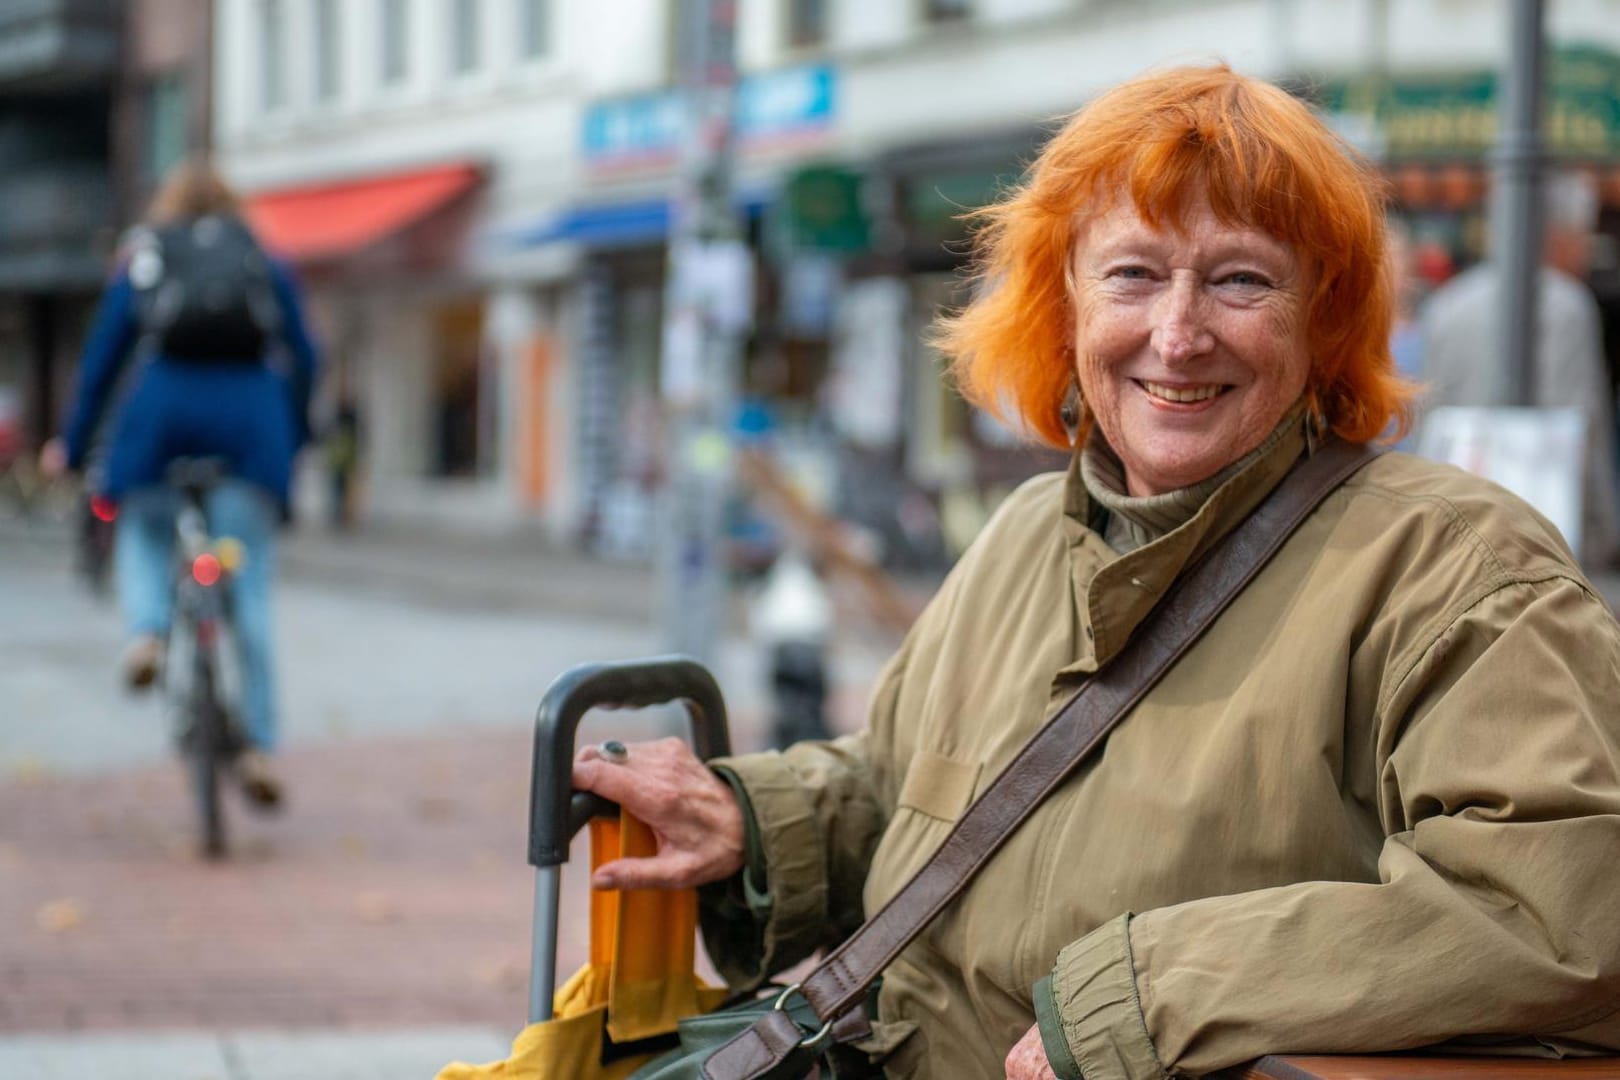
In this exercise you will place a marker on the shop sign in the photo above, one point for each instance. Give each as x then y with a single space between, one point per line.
821 210
1451 115
646 129
776 104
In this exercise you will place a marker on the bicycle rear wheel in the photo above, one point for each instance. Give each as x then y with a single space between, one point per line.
206 746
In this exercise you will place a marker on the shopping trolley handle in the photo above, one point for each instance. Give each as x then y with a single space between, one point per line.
556 811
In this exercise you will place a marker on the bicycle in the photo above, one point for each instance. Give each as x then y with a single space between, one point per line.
96 519
202 675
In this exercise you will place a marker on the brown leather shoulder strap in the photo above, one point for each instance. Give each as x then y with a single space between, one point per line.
1067 740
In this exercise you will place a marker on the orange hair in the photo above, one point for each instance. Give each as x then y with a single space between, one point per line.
1262 160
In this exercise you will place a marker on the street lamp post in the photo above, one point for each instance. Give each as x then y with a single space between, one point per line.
1516 202
708 307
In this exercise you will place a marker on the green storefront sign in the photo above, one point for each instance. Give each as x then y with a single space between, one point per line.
821 210
1454 115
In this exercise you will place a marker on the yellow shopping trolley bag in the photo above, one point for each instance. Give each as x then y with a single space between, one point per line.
620 1010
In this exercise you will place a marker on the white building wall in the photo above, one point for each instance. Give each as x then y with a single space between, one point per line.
624 45
518 118
860 24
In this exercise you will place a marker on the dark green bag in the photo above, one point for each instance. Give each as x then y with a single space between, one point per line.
701 1036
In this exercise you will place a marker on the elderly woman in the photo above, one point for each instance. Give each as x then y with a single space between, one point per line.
1375 806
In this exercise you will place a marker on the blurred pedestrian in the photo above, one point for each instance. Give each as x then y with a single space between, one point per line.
203 307
791 619
343 459
1367 809
1462 362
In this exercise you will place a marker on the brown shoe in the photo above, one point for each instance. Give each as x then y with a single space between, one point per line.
259 781
143 660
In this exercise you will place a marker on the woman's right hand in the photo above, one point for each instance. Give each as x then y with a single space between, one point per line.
691 811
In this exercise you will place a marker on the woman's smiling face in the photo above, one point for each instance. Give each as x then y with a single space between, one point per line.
1189 345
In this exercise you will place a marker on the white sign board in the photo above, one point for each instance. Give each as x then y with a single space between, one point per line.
1534 453
868 361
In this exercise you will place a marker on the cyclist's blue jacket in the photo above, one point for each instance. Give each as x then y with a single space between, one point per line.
255 415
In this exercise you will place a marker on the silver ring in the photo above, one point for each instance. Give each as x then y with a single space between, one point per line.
615 751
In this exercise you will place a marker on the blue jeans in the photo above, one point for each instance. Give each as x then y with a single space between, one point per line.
144 555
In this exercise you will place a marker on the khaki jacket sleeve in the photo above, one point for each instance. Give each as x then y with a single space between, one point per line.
819 809
1493 915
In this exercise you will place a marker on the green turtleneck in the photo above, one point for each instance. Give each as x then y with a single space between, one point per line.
1135 521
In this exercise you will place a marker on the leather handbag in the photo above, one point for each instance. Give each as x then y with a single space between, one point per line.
809 1026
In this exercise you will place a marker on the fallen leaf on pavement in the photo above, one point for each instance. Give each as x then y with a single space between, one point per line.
60 916
376 908
28 770
435 807
503 974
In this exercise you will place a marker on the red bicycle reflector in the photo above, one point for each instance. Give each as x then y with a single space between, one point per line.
206 569
104 509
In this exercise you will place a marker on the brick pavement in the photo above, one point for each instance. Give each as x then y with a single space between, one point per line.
392 891
393 888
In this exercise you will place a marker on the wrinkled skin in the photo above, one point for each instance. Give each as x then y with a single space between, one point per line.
1190 345
1027 1059
690 810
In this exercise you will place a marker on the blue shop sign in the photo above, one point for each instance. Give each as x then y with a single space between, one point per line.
769 105
648 125
784 102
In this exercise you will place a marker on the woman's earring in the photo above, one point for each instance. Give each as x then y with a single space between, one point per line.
1316 425
1069 413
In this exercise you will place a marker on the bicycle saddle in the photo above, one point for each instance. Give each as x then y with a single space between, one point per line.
197 474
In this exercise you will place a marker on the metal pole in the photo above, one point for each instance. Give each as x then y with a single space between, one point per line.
543 950
707 308
1516 202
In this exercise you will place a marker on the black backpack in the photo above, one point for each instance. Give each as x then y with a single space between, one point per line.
204 290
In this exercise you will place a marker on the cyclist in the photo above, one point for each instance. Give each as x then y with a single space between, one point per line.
226 369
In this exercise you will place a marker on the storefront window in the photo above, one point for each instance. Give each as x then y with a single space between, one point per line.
461 397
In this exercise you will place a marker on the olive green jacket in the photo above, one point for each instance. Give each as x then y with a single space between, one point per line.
1376 806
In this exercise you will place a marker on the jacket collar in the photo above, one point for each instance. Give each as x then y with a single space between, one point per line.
1114 593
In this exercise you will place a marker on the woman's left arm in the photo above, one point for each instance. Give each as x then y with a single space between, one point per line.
107 348
1495 910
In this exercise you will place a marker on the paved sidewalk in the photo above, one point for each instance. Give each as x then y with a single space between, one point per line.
392 896
502 572
378 1054
380 927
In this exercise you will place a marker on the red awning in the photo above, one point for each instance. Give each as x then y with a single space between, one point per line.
327 221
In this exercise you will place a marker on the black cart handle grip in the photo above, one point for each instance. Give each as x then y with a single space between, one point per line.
556 811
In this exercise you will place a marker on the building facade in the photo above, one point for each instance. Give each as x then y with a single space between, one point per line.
59 65
493 291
